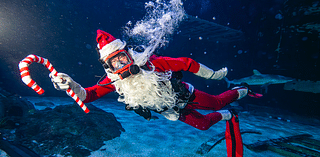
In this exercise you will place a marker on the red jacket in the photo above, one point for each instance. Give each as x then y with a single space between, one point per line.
161 64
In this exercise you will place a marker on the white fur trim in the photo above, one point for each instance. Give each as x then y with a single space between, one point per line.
204 72
226 115
242 92
111 47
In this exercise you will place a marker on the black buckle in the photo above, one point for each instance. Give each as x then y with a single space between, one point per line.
104 64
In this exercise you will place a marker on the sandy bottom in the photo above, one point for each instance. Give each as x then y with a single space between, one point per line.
162 137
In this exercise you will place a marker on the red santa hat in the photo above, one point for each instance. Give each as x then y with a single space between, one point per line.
108 44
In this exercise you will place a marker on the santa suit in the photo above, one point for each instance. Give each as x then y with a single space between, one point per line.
199 99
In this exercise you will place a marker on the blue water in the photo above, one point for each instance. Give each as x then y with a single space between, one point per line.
280 37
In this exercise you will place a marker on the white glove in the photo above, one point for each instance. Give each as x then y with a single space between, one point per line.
208 73
63 82
220 74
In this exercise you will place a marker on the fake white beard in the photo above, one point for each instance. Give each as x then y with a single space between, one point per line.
148 89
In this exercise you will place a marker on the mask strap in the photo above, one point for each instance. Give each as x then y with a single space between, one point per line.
104 76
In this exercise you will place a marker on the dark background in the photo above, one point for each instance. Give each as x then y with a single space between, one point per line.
64 32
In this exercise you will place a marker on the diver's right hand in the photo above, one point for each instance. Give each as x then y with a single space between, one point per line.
62 81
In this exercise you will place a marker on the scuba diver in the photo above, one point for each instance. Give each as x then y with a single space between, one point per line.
148 83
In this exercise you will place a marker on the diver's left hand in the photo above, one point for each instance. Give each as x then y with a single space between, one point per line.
220 74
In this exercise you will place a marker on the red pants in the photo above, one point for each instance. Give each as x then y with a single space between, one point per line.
206 102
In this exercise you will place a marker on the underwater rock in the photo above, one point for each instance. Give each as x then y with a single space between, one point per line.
64 130
13 108
67 130
44 103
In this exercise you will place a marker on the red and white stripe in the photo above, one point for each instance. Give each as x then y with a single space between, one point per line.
26 78
76 98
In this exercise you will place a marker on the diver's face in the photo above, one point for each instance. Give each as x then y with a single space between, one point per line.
119 61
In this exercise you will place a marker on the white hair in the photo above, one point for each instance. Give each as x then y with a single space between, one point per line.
148 89
111 47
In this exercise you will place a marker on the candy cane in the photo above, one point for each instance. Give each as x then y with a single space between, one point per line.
26 78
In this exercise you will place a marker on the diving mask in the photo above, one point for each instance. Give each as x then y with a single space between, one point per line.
119 61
